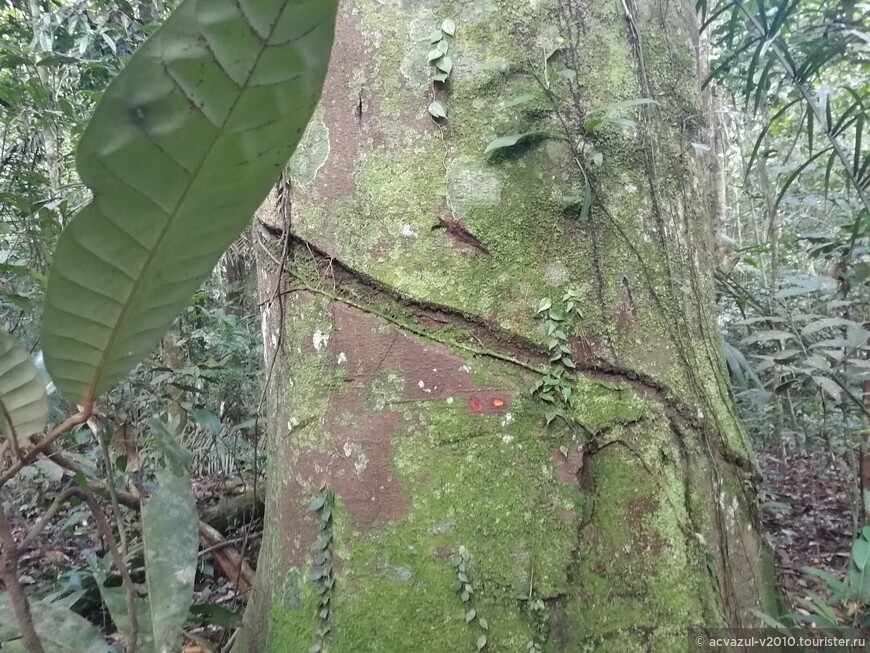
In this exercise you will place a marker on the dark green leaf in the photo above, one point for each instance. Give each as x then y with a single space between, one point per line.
445 64
182 148
437 109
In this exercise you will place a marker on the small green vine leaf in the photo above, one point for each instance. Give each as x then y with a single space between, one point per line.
437 109
448 27
503 142
445 64
481 642
434 54
469 616
436 36
568 74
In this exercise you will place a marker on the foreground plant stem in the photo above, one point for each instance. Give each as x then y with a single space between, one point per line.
44 443
109 539
9 576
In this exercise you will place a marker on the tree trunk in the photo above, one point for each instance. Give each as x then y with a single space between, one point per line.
608 509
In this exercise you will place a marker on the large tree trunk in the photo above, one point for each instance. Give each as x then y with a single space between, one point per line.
407 346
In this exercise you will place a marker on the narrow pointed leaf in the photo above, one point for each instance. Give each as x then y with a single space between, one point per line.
794 175
180 151
171 537
503 142
830 387
23 402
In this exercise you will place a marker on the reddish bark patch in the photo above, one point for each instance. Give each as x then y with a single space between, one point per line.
587 352
359 466
625 307
488 403
341 109
637 512
568 468
384 369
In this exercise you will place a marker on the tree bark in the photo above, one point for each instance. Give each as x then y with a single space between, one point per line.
406 341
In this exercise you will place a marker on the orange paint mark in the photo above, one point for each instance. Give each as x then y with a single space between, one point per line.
498 402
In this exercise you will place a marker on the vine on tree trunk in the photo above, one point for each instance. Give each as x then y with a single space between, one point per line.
465 587
555 388
322 575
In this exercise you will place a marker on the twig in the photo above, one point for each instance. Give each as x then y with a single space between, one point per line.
99 432
13 436
4 449
109 538
9 575
221 545
79 418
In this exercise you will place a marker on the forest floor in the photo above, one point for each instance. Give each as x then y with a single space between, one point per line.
807 519
805 510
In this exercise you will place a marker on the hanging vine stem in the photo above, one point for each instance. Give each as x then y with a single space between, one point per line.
576 154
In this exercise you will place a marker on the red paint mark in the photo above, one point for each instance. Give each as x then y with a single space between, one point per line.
475 405
498 402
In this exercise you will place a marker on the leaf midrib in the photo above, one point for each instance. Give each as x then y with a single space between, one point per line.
125 307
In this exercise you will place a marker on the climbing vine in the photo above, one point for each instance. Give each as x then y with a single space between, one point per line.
322 573
555 387
442 67
585 155
542 625
465 588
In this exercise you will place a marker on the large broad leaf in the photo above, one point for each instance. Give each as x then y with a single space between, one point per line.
171 536
181 149
23 402
60 629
